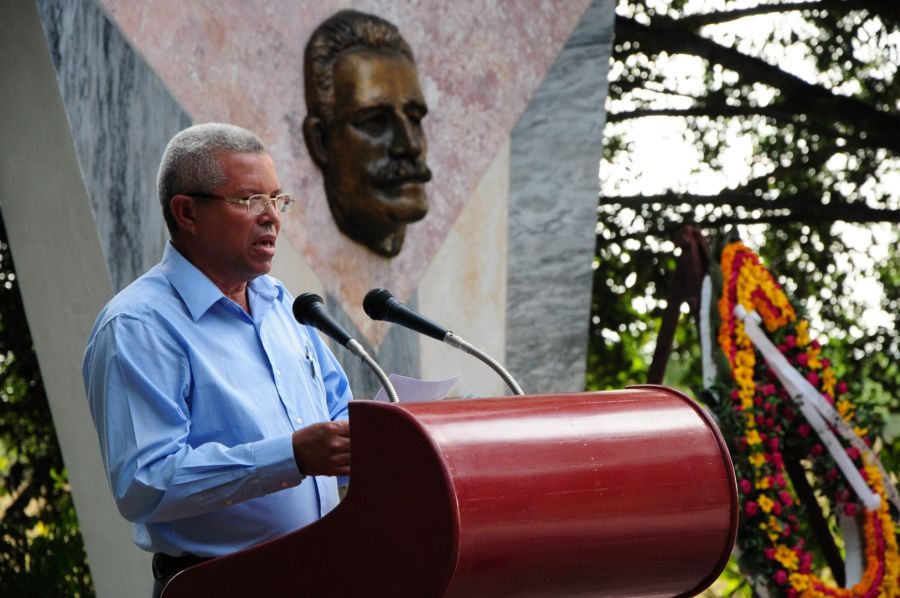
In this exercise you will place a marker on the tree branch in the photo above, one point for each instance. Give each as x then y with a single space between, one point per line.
801 207
669 35
718 17
711 111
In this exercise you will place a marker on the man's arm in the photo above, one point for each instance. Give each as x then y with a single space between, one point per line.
138 382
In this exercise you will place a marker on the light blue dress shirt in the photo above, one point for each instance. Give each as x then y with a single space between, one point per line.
195 402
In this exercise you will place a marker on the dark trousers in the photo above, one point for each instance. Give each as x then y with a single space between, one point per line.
165 567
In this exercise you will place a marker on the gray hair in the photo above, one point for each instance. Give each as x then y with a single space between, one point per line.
190 162
343 31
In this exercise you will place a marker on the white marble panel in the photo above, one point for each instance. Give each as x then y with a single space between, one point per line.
464 288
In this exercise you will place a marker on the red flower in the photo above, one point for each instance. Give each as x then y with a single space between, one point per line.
816 345
803 359
842 387
776 508
813 378
750 508
853 452
850 509
805 563
790 341
773 444
770 553
746 486
817 450
787 499
803 430
780 577
826 363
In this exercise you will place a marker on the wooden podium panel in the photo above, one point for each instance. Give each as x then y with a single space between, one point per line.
613 493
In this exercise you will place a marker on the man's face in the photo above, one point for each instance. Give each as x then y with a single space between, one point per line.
376 173
231 245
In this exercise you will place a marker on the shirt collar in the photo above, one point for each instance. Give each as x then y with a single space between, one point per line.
198 292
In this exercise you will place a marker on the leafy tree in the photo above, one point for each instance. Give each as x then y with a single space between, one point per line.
790 111
41 550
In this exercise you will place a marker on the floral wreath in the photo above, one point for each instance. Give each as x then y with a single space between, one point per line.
760 420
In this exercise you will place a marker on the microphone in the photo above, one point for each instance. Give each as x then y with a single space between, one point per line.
309 309
380 304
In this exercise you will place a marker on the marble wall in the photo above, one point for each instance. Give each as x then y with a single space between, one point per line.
121 116
556 149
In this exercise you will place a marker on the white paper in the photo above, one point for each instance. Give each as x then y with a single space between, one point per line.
413 390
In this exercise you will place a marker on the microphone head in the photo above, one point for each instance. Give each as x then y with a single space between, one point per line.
305 305
378 302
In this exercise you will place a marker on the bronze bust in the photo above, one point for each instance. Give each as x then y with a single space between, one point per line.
364 128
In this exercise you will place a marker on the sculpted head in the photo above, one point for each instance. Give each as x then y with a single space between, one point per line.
364 128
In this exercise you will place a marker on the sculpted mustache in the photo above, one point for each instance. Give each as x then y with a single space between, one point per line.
397 172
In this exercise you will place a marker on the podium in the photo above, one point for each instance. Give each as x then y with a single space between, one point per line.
615 493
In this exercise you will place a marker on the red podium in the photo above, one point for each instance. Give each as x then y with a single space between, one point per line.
616 493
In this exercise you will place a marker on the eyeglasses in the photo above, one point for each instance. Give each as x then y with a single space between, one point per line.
256 204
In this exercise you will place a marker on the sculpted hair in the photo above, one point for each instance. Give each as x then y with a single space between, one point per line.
190 162
343 31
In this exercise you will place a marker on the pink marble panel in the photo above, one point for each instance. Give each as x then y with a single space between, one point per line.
479 63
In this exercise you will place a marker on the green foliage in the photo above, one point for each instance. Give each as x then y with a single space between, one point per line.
816 195
41 550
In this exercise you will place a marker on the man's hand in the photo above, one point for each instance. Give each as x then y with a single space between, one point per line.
323 449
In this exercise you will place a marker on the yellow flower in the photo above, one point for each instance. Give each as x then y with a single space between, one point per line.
763 483
787 557
753 438
799 581
757 459
765 503
844 407
745 359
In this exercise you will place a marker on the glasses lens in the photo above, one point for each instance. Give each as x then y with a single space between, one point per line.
284 203
258 203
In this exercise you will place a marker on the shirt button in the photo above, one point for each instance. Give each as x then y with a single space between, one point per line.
299 420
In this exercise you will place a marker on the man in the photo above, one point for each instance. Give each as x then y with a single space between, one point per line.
364 128
219 417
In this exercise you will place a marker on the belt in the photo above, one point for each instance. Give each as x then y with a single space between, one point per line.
165 566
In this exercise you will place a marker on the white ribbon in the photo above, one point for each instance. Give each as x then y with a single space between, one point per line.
706 336
819 413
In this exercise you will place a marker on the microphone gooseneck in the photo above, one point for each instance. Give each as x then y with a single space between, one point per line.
380 304
309 309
